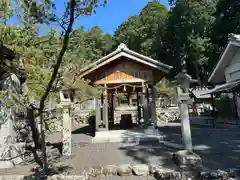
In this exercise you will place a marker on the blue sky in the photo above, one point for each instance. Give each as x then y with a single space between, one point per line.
108 18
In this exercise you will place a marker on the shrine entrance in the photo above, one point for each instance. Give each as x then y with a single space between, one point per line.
128 97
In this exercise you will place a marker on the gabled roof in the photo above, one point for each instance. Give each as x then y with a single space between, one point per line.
232 47
223 87
123 51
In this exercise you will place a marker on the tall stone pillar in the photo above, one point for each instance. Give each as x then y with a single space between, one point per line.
66 124
186 159
66 131
154 113
184 116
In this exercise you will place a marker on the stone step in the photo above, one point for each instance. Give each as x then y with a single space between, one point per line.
124 136
138 140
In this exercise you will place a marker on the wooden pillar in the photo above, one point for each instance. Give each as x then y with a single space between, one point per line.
128 99
97 113
148 103
147 94
138 108
235 107
101 109
213 111
154 113
145 106
112 110
105 107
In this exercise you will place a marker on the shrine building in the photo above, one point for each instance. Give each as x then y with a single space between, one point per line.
128 96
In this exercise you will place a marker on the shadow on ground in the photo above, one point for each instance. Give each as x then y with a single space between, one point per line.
39 173
149 152
89 129
219 148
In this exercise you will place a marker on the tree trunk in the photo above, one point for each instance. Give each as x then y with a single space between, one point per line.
35 133
53 78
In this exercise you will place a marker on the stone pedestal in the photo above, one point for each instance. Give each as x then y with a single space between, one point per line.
11 155
189 163
189 160
11 152
151 131
66 131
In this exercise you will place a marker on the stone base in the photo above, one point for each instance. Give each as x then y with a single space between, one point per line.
186 159
151 131
11 155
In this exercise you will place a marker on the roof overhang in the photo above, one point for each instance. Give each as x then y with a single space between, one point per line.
217 76
223 87
123 51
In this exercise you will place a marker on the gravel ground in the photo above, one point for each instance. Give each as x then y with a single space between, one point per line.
219 149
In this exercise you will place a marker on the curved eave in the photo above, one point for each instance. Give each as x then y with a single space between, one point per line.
217 75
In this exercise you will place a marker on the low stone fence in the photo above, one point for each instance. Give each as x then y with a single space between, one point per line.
102 172
167 114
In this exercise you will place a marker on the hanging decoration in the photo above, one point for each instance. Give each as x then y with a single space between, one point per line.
133 88
124 88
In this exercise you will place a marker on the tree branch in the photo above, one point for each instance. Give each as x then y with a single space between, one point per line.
61 24
60 56
53 77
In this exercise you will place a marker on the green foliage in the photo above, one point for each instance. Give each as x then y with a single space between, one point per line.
187 33
227 21
5 10
166 87
87 47
141 32
32 50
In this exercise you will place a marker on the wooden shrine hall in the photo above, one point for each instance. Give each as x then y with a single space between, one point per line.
133 76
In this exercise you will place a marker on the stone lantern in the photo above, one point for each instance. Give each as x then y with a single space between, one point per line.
184 80
186 157
66 98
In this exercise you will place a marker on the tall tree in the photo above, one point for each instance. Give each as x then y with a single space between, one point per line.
187 33
227 21
153 19
45 12
140 32
129 33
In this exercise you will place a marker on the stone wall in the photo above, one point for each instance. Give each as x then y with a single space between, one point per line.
167 114
144 170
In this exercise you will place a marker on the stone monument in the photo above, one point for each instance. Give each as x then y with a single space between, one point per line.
185 158
11 151
66 102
